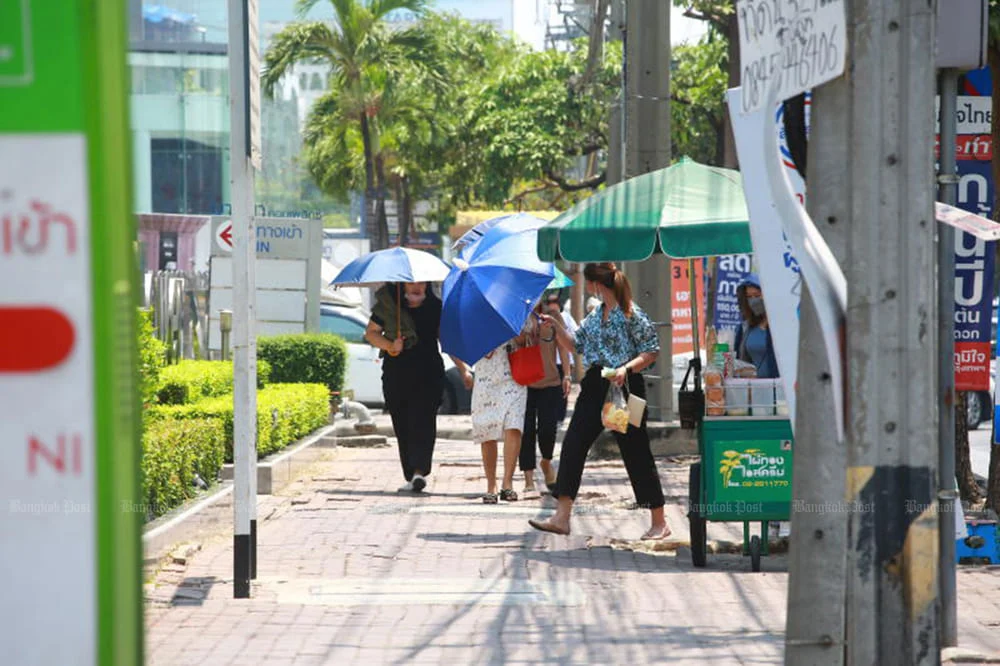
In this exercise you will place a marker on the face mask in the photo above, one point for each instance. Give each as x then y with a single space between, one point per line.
756 305
415 299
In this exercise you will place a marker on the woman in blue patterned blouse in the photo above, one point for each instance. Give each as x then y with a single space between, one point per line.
618 335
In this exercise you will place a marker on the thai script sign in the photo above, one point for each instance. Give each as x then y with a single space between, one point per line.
790 45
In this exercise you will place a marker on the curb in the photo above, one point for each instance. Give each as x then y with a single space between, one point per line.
957 655
162 535
279 469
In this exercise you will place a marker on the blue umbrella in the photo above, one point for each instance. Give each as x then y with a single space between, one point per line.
397 264
476 233
560 280
492 289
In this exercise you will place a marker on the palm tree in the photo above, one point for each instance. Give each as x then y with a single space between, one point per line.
364 56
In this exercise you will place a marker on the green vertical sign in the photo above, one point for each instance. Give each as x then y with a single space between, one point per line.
70 456
15 43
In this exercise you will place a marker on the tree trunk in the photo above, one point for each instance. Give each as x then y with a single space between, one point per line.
371 221
733 35
382 223
967 486
405 211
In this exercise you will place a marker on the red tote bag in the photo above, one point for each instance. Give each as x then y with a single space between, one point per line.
526 365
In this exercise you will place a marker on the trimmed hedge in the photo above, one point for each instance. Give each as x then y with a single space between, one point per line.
152 356
173 452
190 381
311 358
285 413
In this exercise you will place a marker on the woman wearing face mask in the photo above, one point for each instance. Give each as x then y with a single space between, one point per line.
406 330
617 335
753 339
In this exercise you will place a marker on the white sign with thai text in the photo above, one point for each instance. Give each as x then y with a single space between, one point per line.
790 45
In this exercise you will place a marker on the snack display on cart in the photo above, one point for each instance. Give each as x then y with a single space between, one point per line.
733 389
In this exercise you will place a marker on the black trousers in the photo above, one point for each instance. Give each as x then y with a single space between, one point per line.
541 421
584 428
413 406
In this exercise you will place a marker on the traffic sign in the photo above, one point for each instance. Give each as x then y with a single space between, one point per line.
224 236
68 400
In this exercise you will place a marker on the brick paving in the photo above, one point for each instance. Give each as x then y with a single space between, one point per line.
350 572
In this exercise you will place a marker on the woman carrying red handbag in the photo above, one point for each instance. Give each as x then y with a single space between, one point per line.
546 397
498 403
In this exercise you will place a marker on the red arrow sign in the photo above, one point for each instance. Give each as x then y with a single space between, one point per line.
34 339
226 234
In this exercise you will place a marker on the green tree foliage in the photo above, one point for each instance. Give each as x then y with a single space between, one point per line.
532 124
698 89
365 56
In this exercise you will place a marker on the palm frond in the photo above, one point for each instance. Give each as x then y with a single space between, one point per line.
297 42
381 8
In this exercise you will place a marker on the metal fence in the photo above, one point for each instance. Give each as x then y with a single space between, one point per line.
179 301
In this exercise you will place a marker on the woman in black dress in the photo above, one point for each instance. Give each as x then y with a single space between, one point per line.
405 326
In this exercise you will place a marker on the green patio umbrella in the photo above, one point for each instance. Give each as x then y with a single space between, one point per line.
686 210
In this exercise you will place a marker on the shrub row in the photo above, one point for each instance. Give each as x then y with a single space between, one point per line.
285 412
319 358
173 452
190 381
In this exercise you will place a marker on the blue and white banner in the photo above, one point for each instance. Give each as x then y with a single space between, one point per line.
731 270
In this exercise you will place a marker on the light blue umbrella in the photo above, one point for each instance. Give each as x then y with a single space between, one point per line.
560 280
493 288
396 264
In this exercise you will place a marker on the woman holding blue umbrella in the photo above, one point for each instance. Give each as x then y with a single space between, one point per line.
405 325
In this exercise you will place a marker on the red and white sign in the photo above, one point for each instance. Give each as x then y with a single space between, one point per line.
224 236
47 426
681 304
981 227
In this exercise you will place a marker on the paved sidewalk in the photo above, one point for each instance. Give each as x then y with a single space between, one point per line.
350 572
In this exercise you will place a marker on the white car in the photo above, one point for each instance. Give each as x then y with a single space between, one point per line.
364 367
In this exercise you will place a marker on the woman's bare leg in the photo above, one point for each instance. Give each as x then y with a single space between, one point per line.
490 465
511 451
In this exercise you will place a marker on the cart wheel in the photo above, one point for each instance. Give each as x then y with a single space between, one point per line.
697 524
755 553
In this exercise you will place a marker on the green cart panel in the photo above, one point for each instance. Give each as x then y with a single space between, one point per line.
746 469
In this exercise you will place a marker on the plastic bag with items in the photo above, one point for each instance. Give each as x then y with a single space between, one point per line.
614 415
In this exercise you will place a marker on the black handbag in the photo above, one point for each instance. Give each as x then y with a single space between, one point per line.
691 403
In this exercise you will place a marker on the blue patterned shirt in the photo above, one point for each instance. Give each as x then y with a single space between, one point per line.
614 343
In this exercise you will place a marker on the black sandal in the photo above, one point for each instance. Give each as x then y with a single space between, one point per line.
508 495
490 498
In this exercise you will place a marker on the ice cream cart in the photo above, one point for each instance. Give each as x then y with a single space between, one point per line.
691 211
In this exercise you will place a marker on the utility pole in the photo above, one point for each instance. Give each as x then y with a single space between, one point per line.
244 145
948 193
616 123
817 556
647 148
892 334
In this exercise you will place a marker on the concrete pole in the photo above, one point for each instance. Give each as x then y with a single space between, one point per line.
616 123
892 339
647 141
244 315
817 556
948 193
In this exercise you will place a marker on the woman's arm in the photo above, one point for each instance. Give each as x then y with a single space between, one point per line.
375 336
564 339
637 364
463 370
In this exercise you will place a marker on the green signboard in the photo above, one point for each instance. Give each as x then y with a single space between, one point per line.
753 471
69 539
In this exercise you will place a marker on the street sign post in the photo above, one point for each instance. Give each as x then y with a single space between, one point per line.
68 396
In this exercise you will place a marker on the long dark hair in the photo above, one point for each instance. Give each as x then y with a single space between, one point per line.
607 274
746 313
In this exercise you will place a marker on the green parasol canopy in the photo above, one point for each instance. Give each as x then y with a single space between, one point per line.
686 210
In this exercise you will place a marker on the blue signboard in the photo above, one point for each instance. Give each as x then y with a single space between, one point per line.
732 270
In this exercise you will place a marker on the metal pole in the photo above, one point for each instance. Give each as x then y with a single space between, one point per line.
225 328
244 347
647 139
948 193
892 341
